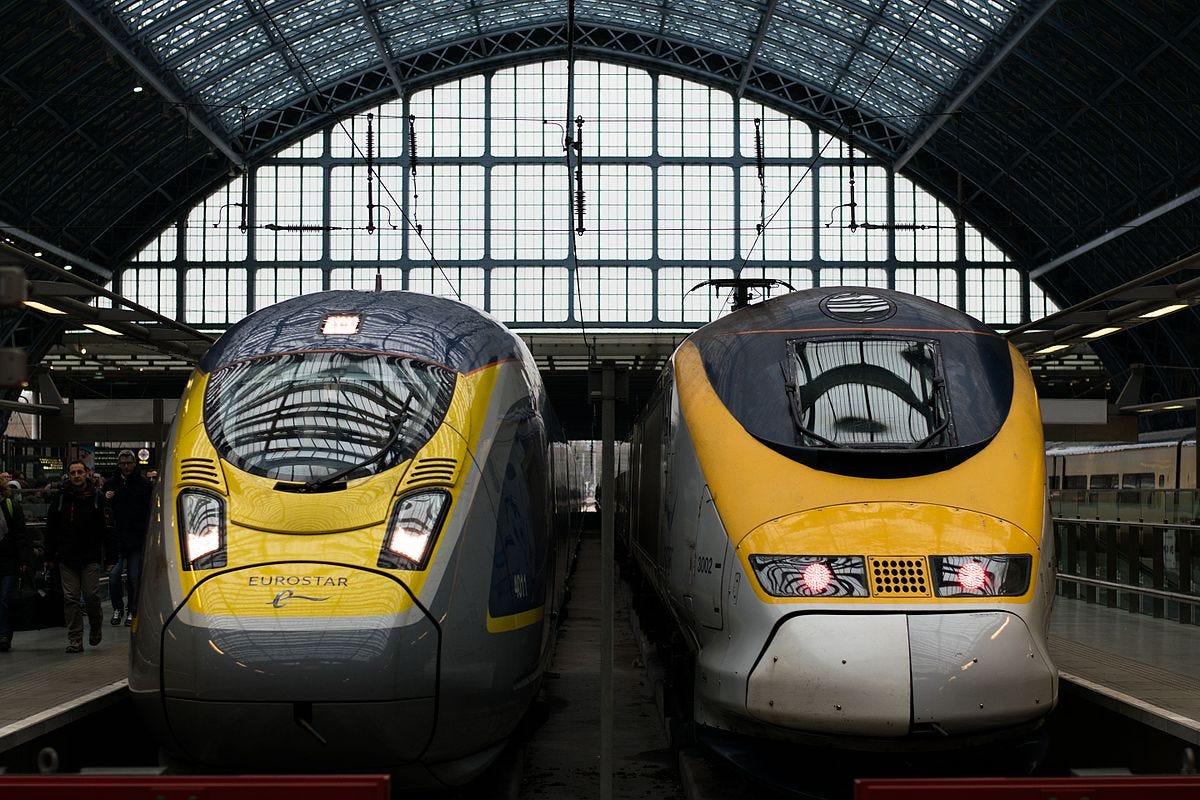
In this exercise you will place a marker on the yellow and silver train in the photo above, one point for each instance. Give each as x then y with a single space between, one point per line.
358 549
839 494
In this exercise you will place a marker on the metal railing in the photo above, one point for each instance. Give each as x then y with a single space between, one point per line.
1142 567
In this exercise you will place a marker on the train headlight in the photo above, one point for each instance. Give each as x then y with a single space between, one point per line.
811 576
416 520
201 522
981 576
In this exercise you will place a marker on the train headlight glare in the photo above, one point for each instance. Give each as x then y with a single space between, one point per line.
202 530
981 576
811 576
416 520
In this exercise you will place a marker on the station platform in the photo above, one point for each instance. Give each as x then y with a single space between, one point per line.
1138 666
42 687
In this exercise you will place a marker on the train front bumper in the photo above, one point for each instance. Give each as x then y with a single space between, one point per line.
890 675
316 676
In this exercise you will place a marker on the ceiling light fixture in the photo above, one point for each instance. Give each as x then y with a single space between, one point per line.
1099 333
45 309
1162 312
1054 348
102 329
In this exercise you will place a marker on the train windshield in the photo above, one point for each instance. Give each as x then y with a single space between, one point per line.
867 394
308 416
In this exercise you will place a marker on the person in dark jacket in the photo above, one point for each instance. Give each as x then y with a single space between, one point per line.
14 558
75 539
127 505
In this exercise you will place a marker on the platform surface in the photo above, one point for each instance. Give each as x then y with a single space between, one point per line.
1150 667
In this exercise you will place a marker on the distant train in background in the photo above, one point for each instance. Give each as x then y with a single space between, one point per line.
838 495
1140 466
359 548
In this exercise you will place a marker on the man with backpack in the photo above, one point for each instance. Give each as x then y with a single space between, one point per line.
75 540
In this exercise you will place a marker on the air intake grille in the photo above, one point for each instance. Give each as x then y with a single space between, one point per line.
898 575
432 472
199 470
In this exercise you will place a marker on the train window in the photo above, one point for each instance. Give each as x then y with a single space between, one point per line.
868 393
310 415
1053 483
1075 481
1104 481
1137 480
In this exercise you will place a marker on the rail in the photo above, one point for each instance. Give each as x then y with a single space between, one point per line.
1143 567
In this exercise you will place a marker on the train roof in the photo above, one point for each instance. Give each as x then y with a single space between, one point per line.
396 322
1086 448
847 307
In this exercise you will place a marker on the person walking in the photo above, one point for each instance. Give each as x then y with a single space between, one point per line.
127 505
14 558
75 540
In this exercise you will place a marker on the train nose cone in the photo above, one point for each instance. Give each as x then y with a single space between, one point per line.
315 662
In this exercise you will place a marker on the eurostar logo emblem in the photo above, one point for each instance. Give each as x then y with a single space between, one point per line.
287 595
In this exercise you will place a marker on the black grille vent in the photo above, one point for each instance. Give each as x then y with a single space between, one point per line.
432 471
199 470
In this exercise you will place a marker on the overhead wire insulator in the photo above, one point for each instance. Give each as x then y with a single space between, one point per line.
579 199
370 173
760 163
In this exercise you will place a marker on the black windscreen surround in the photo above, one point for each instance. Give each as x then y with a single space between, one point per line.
307 415
864 382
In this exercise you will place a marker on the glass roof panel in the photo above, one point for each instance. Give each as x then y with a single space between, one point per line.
628 15
227 52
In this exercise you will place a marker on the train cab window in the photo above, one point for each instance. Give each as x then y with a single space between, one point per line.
1137 480
868 394
1076 482
305 416
1103 481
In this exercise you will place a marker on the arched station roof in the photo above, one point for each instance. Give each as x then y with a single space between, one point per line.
1068 130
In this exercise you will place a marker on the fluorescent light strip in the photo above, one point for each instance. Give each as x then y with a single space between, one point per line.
1054 348
45 309
1099 333
102 329
1162 312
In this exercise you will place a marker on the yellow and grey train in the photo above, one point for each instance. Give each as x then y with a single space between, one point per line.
839 495
358 549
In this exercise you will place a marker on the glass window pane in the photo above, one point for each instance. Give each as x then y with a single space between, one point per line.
214 296
272 284
680 301
291 219
695 212
215 229
529 213
839 241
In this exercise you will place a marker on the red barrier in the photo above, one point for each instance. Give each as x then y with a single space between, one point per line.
194 787
1122 787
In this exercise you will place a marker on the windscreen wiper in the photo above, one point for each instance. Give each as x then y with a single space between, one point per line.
395 425
793 406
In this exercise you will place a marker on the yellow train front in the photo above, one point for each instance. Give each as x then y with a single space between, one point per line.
355 560
839 494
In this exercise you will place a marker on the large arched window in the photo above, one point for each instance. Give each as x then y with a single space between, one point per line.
463 190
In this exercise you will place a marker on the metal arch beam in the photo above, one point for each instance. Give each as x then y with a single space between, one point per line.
151 78
381 45
66 255
942 116
1120 230
764 23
